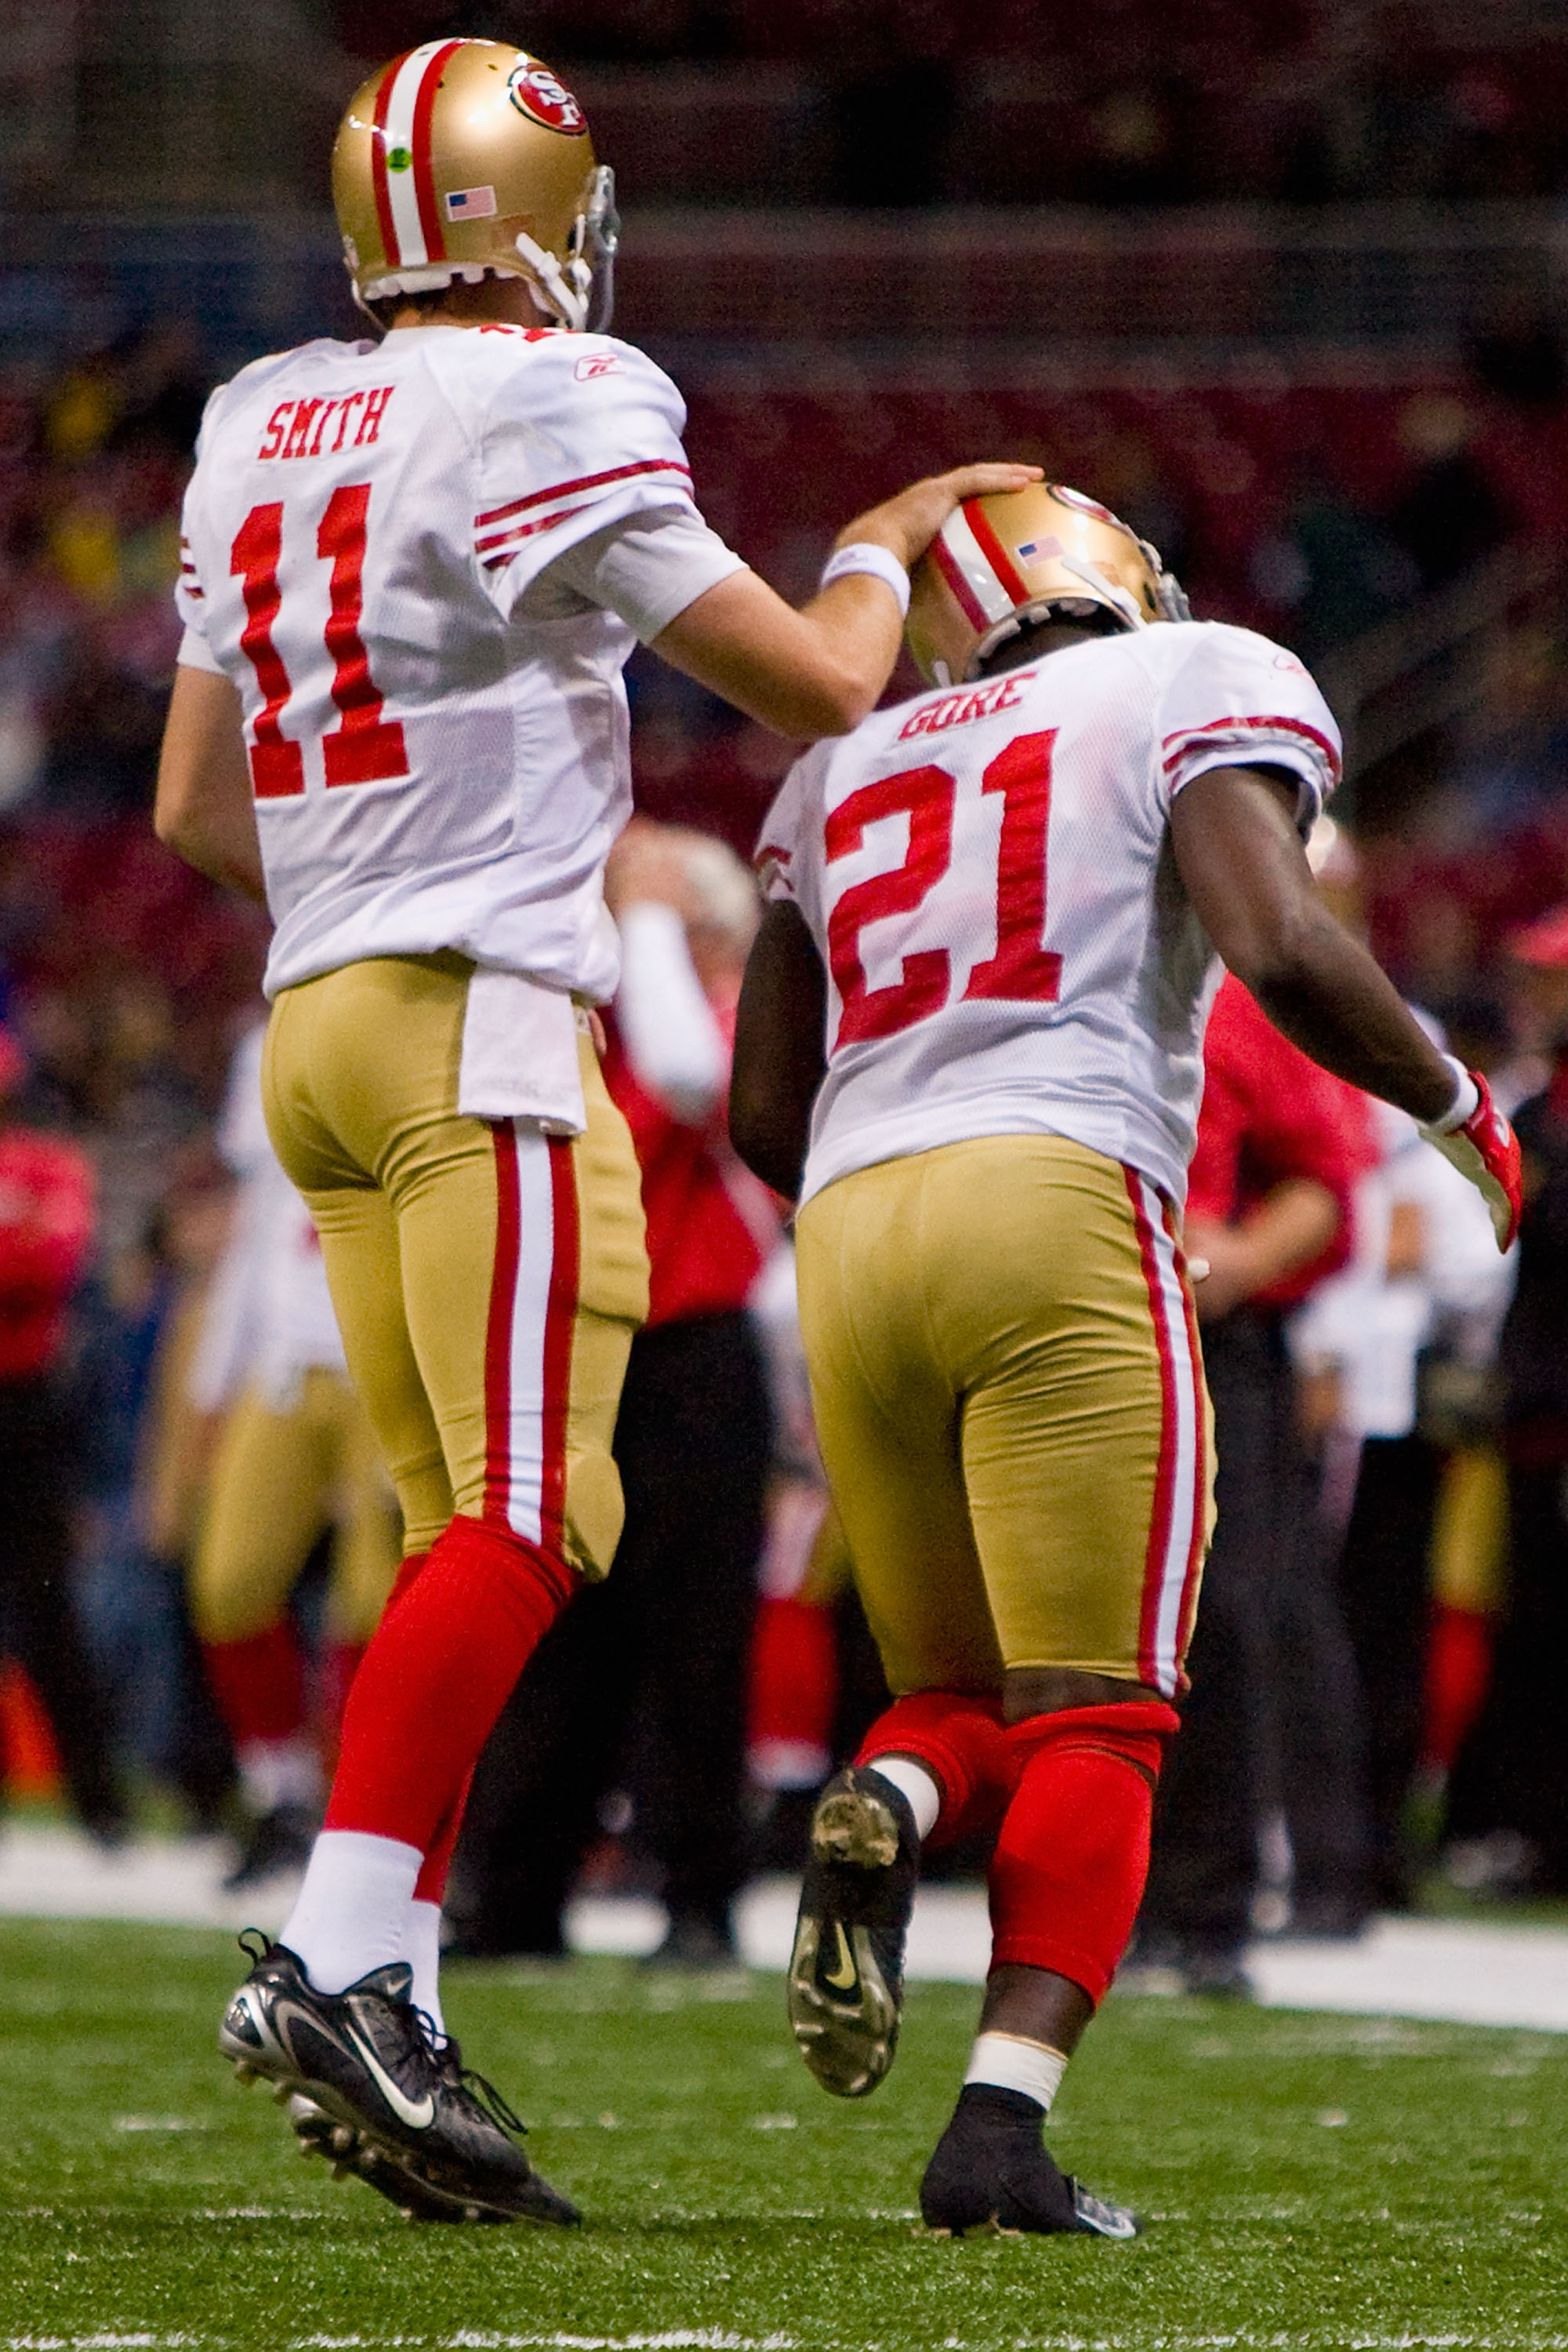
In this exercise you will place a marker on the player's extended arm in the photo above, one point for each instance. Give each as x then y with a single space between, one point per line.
780 1050
204 808
1246 871
818 671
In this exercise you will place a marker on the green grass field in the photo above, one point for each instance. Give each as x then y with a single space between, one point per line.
1307 2180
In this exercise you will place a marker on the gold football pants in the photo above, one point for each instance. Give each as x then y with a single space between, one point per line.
280 1475
488 1278
1011 1409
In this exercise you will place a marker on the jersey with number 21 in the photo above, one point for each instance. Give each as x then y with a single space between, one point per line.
987 872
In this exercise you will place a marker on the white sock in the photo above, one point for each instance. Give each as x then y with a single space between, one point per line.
353 1910
1010 2063
274 1772
422 1950
915 1782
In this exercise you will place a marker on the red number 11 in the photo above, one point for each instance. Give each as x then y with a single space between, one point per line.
365 748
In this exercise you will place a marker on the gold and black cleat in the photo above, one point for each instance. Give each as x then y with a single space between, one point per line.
846 1971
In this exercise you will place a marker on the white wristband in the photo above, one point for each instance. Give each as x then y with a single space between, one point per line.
863 555
1464 1100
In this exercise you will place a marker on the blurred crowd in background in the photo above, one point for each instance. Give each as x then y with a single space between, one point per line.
1130 102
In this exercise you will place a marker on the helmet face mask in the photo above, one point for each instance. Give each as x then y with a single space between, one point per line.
462 159
1003 564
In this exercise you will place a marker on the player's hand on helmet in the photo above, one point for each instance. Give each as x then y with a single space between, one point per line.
909 523
1485 1151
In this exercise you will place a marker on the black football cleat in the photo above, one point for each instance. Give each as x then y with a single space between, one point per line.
846 1971
368 2085
992 2175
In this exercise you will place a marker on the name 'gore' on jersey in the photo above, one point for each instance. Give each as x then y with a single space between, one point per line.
987 874
436 762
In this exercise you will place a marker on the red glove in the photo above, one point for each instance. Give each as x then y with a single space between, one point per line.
1485 1149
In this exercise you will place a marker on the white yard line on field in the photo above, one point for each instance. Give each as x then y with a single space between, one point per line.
673 2339
714 2339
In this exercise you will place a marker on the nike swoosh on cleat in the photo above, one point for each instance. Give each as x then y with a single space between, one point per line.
417 2114
846 1976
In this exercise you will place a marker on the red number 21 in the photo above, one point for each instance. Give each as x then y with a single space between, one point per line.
1021 969
365 748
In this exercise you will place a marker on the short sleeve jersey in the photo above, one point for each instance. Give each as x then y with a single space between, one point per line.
436 764
987 874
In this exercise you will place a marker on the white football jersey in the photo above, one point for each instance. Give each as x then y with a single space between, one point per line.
436 764
987 875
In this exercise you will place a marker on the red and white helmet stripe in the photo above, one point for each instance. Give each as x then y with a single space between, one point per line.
406 202
978 569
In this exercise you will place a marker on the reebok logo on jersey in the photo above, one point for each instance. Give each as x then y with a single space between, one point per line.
601 364
970 702
299 428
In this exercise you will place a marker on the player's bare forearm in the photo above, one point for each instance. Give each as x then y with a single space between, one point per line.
803 675
1246 872
780 1050
820 670
204 808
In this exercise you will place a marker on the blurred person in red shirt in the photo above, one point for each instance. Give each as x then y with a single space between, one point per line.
47 1209
1280 1143
643 1682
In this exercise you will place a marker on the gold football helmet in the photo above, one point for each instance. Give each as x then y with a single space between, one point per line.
465 157
998 564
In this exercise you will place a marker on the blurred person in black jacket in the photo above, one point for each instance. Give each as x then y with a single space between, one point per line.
1507 1811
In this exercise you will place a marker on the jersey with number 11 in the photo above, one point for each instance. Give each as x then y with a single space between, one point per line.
435 765
988 876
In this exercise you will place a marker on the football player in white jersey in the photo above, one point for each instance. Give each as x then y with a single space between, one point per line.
413 567
971 1044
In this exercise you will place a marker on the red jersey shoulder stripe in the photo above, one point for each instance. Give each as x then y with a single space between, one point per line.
1215 729
508 542
584 482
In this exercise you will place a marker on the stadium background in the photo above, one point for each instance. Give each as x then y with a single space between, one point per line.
1283 284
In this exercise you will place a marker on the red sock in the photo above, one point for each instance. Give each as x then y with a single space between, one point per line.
794 1672
259 1683
1458 1668
431 1883
408 1568
1073 1854
439 1669
341 1663
962 1741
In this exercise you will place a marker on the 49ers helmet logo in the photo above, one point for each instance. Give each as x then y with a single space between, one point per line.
534 91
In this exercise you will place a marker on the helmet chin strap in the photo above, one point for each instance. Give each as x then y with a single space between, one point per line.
582 294
569 300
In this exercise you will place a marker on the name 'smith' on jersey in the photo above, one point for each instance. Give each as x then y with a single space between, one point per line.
424 561
987 874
